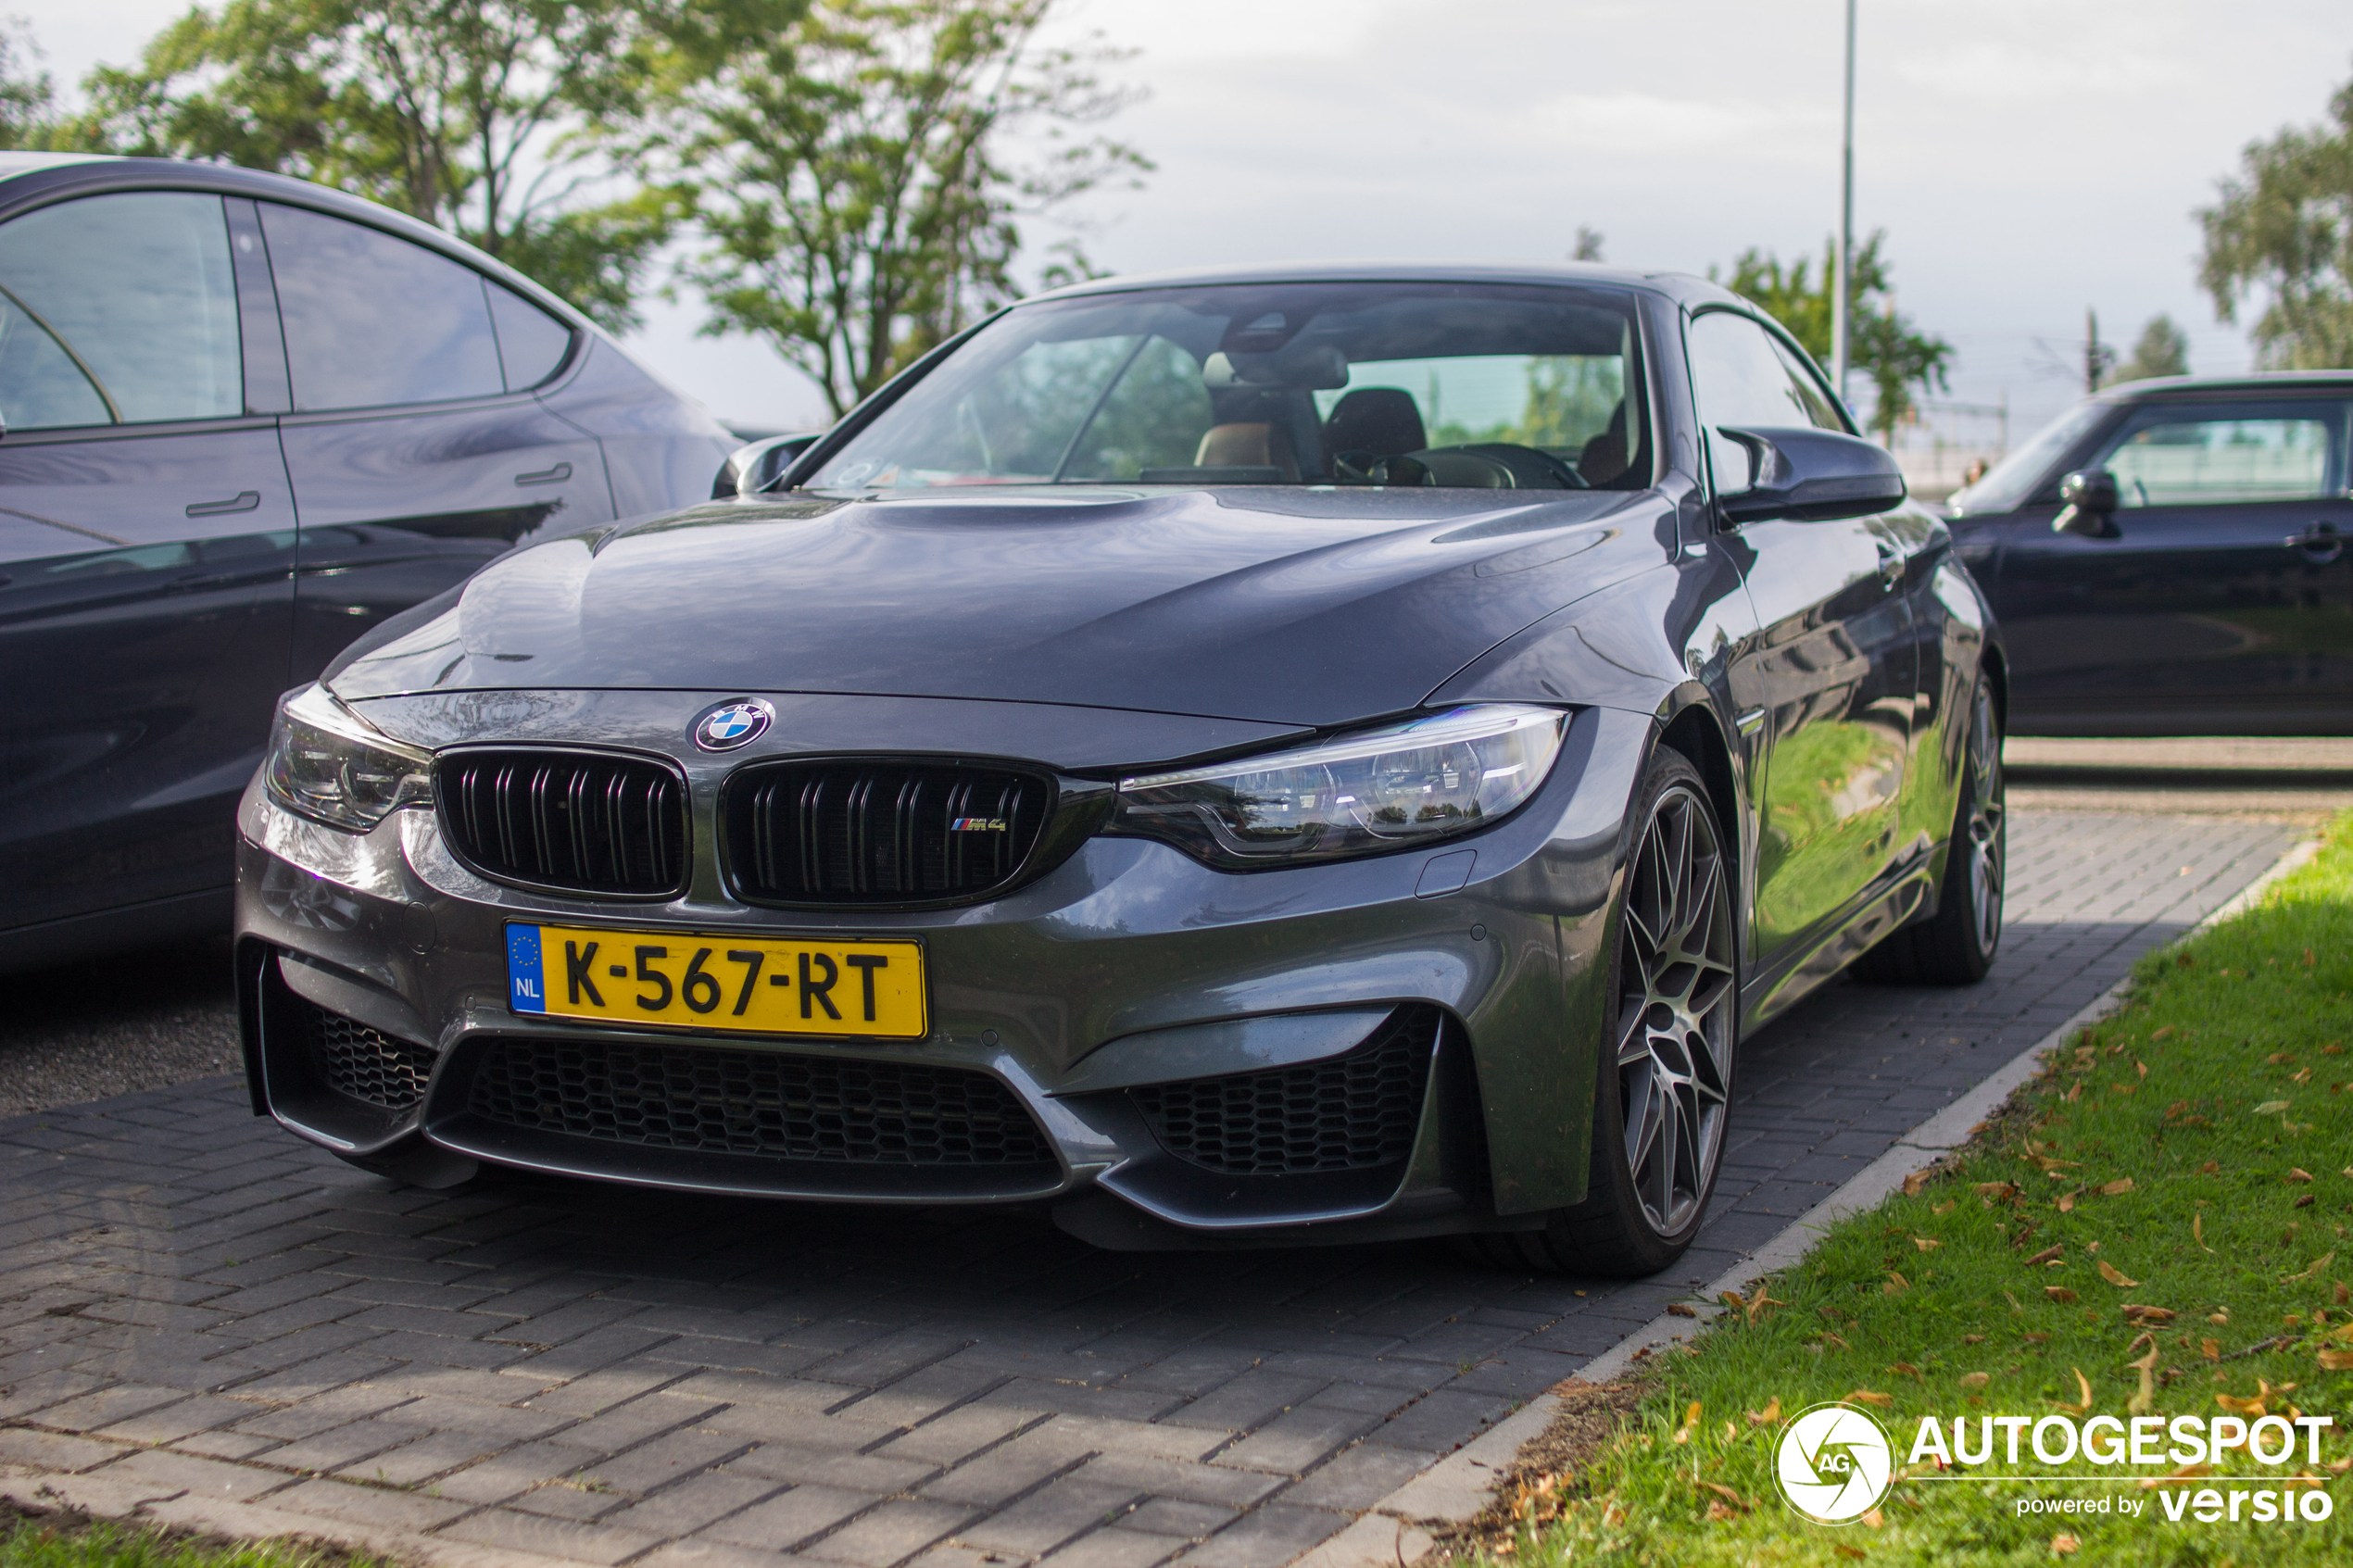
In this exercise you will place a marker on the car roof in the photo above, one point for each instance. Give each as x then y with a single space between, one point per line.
2252 381
1682 286
30 179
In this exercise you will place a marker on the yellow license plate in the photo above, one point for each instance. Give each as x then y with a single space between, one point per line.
714 981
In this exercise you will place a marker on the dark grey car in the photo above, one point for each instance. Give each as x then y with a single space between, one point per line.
247 419
1246 758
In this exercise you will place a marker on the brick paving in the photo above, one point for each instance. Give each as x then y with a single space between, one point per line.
193 1303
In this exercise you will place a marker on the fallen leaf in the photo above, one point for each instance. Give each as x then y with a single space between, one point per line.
1853 1553
2033 1339
2067 1201
2136 1313
2016 1305
1868 1397
2271 1107
2296 1173
1926 1243
1758 1302
2115 1277
2058 1293
2009 1189
1830 1338
1725 1492
2163 1032
1874 1518
1681 1309
2142 1065
1905 1369
2209 1168
2308 959
2212 1350
1717 1513
2118 1187
2198 1230
2063 1544
2049 1254
2181 1477
1944 1207
2337 1361
2322 1261
1770 1414
2083 1406
2344 1296
2144 1400
1913 1183
1690 1419
1894 1284
1976 1379
2075 1094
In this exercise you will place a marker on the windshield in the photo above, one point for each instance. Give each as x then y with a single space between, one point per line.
2008 482
1483 386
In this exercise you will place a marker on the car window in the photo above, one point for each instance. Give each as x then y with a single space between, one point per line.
1743 378
119 309
374 320
1429 385
532 344
2176 457
2009 482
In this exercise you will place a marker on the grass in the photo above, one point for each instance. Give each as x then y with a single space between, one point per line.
29 1539
2192 1153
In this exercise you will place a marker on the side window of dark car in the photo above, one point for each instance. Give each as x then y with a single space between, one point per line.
1742 377
2216 456
119 309
372 320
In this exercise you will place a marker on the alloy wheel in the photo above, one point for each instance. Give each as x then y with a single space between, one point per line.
1675 1009
1987 843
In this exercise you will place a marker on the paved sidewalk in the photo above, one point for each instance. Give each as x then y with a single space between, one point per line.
193 1305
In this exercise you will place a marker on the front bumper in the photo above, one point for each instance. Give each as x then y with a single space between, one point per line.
1126 967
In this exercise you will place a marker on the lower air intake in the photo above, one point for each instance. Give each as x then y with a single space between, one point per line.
366 1063
1349 1112
714 1100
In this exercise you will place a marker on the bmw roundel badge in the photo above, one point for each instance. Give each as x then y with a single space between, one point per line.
732 724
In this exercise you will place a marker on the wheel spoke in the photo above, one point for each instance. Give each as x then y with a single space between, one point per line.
1631 1045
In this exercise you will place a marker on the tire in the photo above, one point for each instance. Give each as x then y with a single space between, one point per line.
1958 945
1664 1082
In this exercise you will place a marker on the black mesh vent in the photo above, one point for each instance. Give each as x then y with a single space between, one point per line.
720 1101
565 818
1348 1112
366 1063
880 833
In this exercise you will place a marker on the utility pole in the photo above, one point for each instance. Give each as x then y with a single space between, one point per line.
2098 357
1840 286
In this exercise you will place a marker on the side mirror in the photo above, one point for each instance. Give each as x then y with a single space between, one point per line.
1812 476
2090 495
750 470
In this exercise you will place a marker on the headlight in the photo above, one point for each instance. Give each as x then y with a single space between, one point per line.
329 764
1389 788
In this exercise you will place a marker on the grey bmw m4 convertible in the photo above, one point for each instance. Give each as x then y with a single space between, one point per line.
1240 757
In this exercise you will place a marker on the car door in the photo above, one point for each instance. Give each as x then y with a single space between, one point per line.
2220 597
416 448
1826 690
146 550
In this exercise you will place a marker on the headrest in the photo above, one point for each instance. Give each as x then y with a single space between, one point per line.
1383 421
1246 445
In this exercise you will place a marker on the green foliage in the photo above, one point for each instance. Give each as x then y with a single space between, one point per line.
1883 344
2163 350
2284 226
852 175
479 116
1570 400
2211 1184
67 1541
28 100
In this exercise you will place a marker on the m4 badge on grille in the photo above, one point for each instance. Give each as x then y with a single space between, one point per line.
979 824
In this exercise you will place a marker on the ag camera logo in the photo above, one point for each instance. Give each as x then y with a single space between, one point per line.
732 724
1833 1462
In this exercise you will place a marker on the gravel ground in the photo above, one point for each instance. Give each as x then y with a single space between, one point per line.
136 1021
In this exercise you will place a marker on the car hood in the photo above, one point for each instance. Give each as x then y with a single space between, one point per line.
1292 607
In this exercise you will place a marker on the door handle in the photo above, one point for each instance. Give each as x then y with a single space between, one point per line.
2319 542
244 501
1891 565
556 475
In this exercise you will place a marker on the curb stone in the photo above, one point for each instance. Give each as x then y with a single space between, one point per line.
1454 1490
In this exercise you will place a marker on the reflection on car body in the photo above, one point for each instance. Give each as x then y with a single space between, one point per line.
1316 755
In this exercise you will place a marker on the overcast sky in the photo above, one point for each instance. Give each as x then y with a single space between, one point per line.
2028 158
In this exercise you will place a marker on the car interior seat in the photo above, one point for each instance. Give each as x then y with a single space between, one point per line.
1254 444
1384 420
1603 457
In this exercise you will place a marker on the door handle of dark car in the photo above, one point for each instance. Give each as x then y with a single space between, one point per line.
244 501
1891 564
2320 543
556 475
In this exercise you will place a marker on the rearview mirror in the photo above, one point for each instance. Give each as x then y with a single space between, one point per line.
2090 495
750 470
1812 476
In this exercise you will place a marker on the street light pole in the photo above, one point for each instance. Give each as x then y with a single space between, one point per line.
1841 286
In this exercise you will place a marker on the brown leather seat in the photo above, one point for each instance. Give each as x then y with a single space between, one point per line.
1247 446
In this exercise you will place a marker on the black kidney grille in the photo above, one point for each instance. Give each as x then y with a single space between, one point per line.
1346 1112
719 1101
573 819
880 833
367 1063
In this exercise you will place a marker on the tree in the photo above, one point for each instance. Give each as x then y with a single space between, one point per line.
852 178
478 116
2284 226
2163 350
1882 343
27 101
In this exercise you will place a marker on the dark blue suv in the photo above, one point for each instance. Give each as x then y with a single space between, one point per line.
246 418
